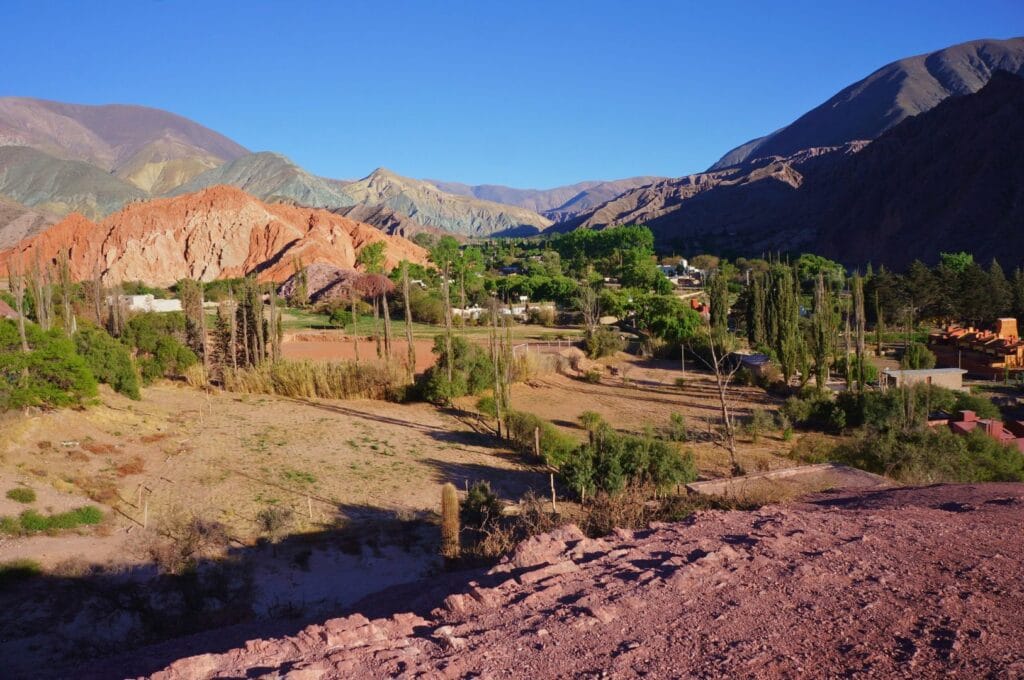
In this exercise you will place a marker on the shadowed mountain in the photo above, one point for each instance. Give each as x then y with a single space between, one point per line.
154 150
387 220
946 180
49 184
558 204
904 88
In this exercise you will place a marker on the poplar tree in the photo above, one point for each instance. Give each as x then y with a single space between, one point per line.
859 323
823 331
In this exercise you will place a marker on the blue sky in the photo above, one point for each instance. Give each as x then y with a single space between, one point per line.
524 93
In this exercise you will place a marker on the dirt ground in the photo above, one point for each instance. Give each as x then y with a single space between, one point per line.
227 457
905 583
644 393
336 346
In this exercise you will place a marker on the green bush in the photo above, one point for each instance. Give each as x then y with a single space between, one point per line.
16 571
158 340
929 455
870 370
593 376
50 374
108 360
22 494
677 430
555 447
472 371
481 507
610 461
602 342
917 356
814 409
31 522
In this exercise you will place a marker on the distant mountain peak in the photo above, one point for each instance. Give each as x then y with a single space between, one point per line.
889 95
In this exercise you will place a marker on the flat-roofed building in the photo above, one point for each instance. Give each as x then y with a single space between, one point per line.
950 378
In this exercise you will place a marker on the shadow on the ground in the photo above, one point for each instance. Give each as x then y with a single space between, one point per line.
80 625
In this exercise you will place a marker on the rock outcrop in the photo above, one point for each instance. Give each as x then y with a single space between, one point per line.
220 232
900 583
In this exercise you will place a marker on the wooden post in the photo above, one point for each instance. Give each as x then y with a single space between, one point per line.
554 506
536 441
309 505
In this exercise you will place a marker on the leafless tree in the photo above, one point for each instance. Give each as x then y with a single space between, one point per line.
16 282
588 303
719 365
411 357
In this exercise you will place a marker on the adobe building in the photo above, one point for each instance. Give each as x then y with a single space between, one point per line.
988 354
950 378
1010 433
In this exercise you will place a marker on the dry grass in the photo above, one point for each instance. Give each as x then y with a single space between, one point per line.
99 449
318 380
133 466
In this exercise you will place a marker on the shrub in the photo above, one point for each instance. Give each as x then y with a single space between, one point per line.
593 376
425 306
555 447
917 356
50 374
543 316
928 456
759 421
13 572
317 380
677 430
158 340
472 371
602 342
22 494
108 360
870 370
481 508
814 410
31 522
273 521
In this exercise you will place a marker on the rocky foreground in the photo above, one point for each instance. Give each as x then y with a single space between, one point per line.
909 582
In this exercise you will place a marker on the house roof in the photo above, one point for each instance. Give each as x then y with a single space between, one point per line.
921 372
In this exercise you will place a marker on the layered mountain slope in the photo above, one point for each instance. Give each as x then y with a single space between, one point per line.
273 178
425 203
915 582
153 149
387 220
557 204
39 180
216 233
18 222
904 88
946 180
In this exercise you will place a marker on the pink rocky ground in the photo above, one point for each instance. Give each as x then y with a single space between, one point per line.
903 583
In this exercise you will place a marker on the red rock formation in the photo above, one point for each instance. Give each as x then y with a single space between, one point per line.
220 232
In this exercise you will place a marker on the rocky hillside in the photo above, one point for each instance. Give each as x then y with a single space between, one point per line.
273 178
900 583
216 233
558 204
152 149
945 180
18 222
425 203
55 185
897 91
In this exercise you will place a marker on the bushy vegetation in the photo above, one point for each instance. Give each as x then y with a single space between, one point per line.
50 374
917 356
556 448
22 494
602 342
472 371
13 572
32 522
932 455
889 435
158 341
108 360
317 380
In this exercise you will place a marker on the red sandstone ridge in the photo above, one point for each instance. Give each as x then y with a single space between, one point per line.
220 232
908 583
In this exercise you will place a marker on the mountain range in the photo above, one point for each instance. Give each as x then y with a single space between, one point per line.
893 93
946 180
883 158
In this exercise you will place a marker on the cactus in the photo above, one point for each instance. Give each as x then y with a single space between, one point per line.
449 522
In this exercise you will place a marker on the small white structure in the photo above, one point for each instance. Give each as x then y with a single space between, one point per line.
148 303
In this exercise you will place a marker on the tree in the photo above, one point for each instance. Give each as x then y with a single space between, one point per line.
1000 294
917 356
411 348
588 303
371 257
824 327
784 320
300 292
718 296
443 255
190 292
757 333
16 282
858 323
